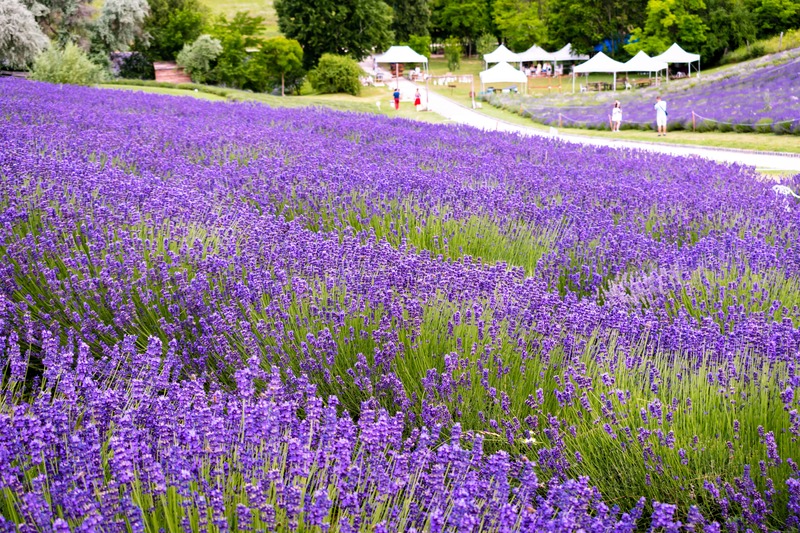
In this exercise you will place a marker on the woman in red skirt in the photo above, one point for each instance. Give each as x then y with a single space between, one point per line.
417 100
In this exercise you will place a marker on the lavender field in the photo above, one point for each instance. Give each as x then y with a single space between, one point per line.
764 99
227 317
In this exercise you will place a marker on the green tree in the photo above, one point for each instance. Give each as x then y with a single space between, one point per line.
421 44
283 59
485 44
774 16
63 20
520 22
466 19
670 21
336 74
21 38
196 58
172 24
67 65
120 23
584 24
730 25
344 27
452 52
411 17
239 65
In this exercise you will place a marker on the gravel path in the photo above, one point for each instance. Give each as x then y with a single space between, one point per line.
462 115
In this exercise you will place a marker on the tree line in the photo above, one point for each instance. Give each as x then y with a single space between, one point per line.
231 50
622 27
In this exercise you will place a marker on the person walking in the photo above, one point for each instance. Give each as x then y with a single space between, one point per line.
396 99
616 116
661 116
417 100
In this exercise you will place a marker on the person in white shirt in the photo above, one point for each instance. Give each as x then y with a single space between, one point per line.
661 116
616 116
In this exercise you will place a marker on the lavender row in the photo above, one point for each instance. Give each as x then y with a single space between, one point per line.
88 448
632 297
765 100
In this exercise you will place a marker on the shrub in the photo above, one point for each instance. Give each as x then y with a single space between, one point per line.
136 66
67 65
756 50
452 52
421 44
486 43
764 125
336 74
196 58
21 39
783 127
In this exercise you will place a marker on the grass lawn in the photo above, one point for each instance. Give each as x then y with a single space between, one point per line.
364 103
165 90
259 8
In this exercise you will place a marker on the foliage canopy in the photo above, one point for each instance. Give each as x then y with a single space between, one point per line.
283 59
343 27
336 74
21 39
66 65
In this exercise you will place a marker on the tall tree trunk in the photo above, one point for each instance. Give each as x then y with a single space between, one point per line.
282 93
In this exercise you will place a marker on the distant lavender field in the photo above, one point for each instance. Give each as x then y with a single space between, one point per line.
226 317
764 100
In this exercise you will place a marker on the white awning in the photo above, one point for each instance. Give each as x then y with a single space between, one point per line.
565 54
535 53
600 63
501 54
642 62
401 54
503 73
676 54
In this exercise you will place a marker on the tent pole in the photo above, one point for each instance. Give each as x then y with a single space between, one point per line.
472 89
427 99
573 80
614 85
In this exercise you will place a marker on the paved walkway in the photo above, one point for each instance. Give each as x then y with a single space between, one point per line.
462 115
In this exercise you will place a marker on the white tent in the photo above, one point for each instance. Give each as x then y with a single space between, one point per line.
599 63
401 54
676 54
500 55
642 62
565 54
533 54
503 73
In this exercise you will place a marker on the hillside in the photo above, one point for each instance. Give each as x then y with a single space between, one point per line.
260 8
761 95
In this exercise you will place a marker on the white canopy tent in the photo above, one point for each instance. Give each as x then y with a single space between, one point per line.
533 54
599 63
503 73
501 55
676 54
401 54
404 54
566 54
642 62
